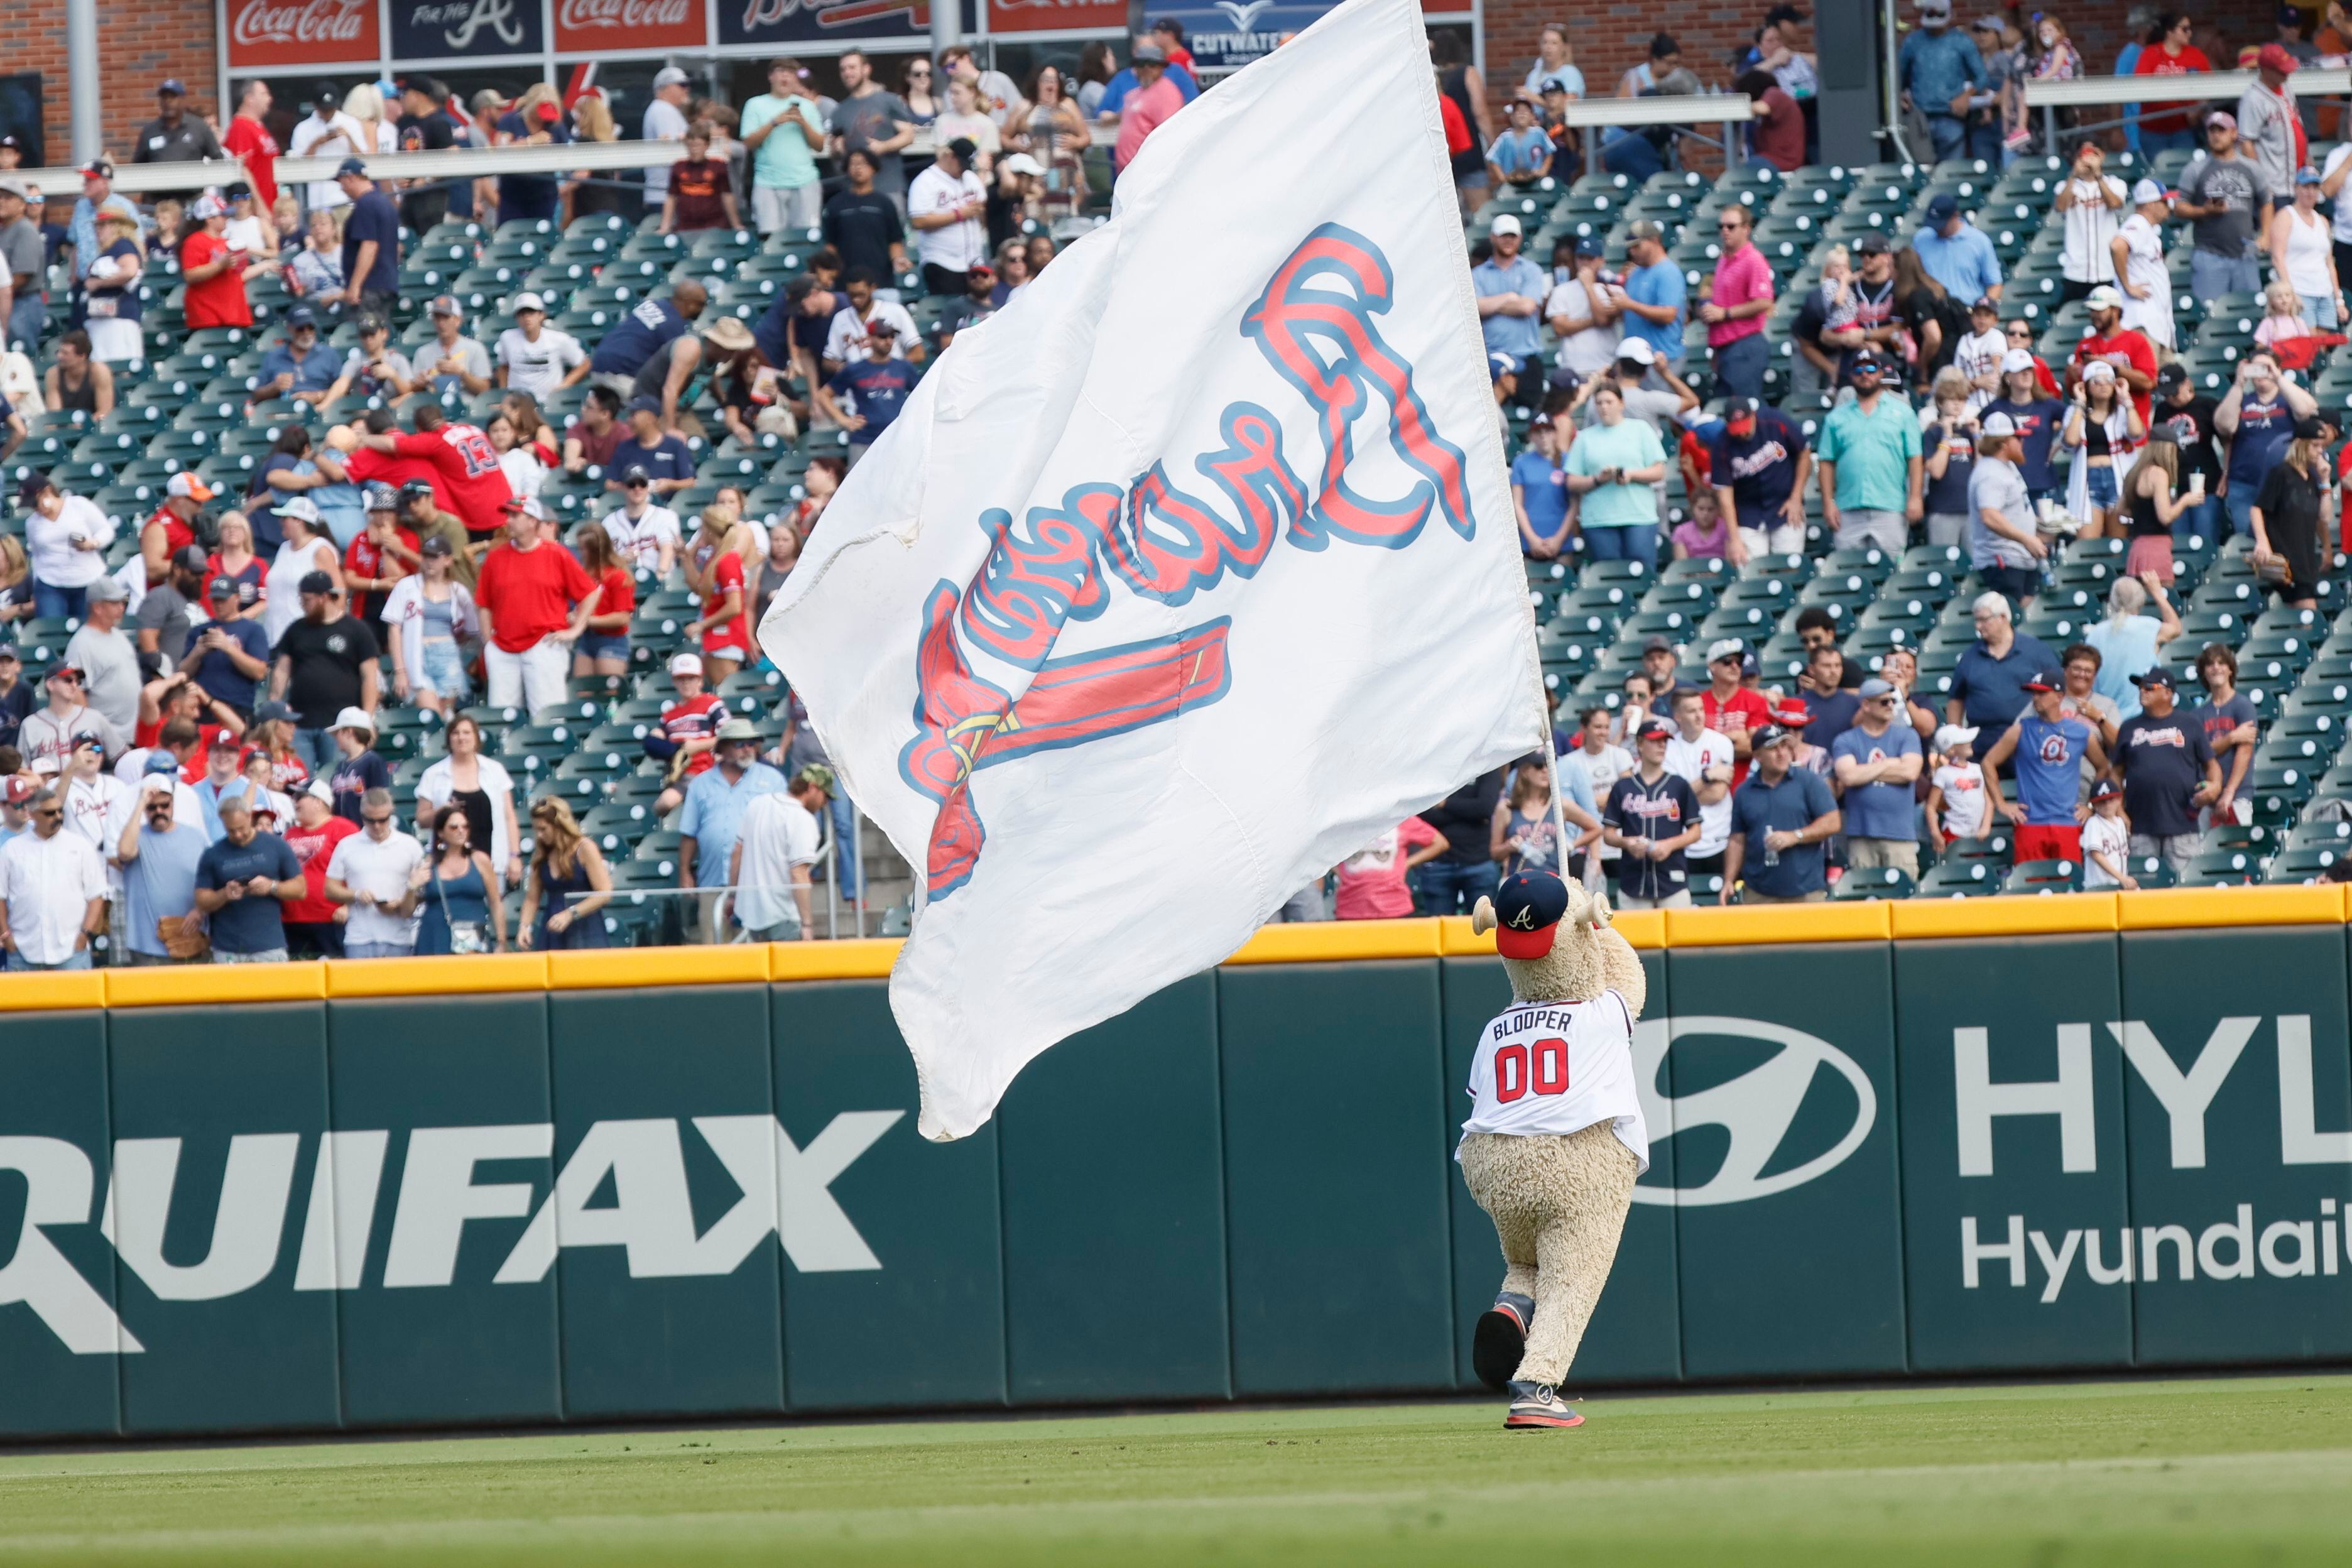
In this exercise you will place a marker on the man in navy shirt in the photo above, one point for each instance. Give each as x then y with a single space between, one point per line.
2168 771
877 385
1988 685
665 460
228 656
371 244
635 336
1782 820
296 366
241 881
1758 463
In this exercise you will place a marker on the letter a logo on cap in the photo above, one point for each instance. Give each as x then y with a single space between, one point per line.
1528 908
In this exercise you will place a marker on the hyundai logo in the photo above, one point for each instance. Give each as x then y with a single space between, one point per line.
1755 1108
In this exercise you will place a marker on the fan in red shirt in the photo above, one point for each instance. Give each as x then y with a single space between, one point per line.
378 556
684 736
314 921
213 270
249 141
603 647
534 600
1732 710
467 478
172 528
725 626
2128 349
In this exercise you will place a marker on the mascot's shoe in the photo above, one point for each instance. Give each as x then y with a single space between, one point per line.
1500 1339
1535 1405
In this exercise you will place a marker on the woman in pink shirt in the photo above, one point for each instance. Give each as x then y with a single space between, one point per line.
1736 310
1148 107
1372 881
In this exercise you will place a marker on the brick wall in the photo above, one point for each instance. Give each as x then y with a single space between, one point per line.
139 43
1611 37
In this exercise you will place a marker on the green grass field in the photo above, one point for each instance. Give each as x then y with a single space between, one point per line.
2227 1471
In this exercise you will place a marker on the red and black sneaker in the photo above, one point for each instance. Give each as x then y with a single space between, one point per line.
1501 1339
1539 1405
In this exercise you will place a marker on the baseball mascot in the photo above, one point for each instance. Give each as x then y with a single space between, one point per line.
1555 1138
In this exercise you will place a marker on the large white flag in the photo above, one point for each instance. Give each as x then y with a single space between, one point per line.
1183 577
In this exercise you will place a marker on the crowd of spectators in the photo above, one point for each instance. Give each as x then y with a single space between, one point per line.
195 775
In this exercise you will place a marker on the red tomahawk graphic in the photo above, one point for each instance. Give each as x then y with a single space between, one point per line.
965 723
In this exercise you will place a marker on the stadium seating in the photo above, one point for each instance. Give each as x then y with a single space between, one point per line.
184 406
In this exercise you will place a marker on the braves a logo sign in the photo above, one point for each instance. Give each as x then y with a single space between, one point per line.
1316 323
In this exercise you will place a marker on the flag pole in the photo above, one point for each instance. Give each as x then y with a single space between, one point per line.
1551 755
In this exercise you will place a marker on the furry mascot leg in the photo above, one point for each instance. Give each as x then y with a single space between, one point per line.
1558 1206
1559 1201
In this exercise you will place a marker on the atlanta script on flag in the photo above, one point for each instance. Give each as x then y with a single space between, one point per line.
1184 576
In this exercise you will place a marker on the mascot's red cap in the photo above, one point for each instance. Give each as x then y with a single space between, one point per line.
1528 908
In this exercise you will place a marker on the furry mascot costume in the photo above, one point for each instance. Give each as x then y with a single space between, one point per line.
1555 1138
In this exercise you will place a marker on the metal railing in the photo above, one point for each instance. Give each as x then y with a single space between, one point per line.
2312 84
452 164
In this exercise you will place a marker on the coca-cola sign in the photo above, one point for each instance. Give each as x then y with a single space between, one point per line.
457 29
299 32
1055 15
597 26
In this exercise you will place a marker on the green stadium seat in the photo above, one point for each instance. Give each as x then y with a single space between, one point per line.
2043 877
1873 882
1960 880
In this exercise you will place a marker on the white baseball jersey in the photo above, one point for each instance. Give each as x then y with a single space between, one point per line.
1556 1067
638 540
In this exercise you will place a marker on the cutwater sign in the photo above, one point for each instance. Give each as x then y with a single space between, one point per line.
1231 34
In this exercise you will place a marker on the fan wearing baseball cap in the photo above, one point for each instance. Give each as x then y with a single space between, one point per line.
1651 817
1732 709
2140 275
1872 465
2043 751
2270 125
2127 354
2226 194
2168 771
1781 821
1511 290
2092 202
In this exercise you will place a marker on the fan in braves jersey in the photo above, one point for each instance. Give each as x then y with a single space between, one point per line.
1555 1138
1651 816
686 736
464 465
645 535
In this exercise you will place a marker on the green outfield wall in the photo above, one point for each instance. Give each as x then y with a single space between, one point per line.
491 1191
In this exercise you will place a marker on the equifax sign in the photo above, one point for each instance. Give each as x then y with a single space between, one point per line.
299 32
784 1191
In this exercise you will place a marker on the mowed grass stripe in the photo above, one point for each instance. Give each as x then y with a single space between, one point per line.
2217 1472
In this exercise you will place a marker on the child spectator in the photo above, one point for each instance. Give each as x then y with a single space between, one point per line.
1521 155
1956 792
702 195
2285 321
1705 535
359 769
314 922
1540 493
686 736
2107 841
